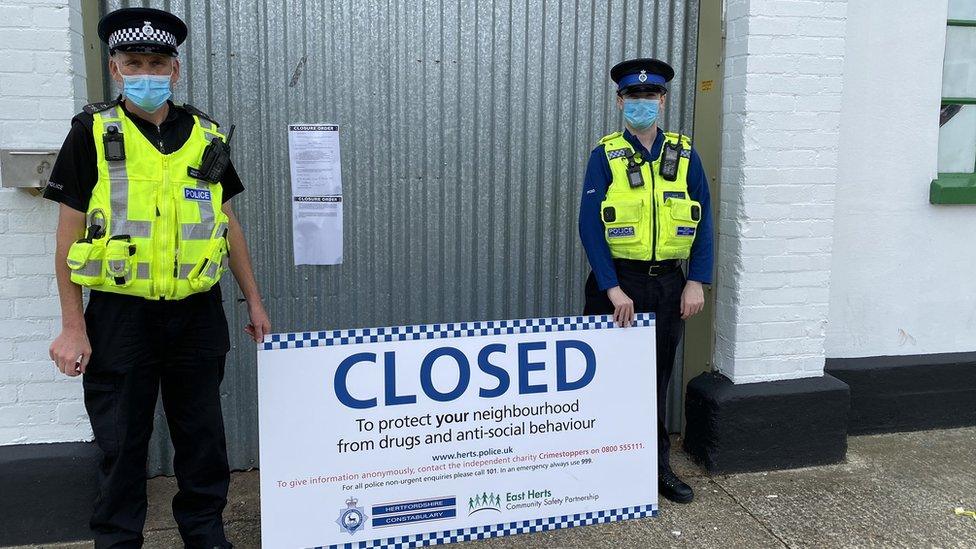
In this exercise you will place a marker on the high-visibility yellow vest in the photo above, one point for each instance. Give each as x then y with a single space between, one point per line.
653 221
163 233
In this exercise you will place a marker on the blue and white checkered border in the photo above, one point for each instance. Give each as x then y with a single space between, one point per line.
295 340
503 529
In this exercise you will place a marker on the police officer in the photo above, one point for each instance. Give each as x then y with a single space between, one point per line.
645 207
145 223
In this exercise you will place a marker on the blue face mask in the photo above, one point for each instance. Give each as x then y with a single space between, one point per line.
148 91
641 113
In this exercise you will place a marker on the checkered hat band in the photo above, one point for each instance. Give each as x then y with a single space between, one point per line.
138 36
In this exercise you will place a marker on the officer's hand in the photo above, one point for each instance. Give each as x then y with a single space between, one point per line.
260 323
692 299
623 306
71 351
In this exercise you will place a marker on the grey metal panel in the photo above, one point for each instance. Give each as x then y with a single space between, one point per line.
465 130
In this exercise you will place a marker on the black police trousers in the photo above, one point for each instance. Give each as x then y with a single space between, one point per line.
139 349
660 294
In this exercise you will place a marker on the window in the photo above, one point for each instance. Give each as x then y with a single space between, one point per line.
956 183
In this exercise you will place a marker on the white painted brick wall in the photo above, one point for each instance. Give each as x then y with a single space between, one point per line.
42 85
784 71
901 282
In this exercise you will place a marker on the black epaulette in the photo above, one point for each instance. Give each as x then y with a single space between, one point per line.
93 108
193 110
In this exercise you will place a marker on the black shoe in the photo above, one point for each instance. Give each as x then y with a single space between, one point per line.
673 488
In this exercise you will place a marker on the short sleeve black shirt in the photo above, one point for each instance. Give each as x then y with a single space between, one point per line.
75 171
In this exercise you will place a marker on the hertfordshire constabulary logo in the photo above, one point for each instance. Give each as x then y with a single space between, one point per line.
148 29
352 518
643 76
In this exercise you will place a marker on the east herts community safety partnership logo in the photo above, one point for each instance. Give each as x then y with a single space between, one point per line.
352 518
484 502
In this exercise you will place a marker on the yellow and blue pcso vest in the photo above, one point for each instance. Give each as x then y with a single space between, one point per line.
645 215
153 230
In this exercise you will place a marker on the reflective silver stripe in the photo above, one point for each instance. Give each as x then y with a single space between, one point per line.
203 229
142 270
209 129
212 269
115 122
119 183
185 269
91 268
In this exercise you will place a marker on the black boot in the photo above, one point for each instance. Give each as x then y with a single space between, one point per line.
673 488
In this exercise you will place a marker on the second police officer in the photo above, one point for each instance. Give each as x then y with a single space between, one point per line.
645 207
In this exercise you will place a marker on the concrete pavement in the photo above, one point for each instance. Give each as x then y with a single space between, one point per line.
894 490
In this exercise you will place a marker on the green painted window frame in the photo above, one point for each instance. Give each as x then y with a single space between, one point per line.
955 188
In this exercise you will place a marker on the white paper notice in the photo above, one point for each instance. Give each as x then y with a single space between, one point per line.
316 188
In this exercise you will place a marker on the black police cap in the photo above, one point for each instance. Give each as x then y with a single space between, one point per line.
643 74
142 30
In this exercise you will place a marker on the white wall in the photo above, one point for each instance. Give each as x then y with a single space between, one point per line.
781 124
42 85
903 271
